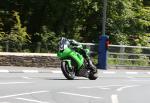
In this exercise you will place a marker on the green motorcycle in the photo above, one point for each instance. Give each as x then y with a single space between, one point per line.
72 63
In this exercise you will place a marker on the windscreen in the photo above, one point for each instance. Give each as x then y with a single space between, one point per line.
64 43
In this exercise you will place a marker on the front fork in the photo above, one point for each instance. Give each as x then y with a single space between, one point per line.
69 64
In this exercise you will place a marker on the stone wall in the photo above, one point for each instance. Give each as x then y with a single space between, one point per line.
29 59
42 60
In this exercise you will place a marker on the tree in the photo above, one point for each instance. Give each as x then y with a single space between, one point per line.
17 34
127 21
130 20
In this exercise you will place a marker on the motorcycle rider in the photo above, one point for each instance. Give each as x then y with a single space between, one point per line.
78 47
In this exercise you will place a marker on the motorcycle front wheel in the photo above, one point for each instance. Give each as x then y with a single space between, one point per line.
67 71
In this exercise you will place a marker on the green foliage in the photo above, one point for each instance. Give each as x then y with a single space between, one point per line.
130 20
44 21
18 33
2 33
48 40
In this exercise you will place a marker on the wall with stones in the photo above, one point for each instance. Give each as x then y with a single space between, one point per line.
29 59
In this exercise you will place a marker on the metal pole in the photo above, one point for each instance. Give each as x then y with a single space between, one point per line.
102 51
104 17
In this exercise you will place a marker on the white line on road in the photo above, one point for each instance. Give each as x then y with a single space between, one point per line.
30 71
15 83
27 77
31 100
131 72
90 87
108 72
74 94
56 71
114 98
130 86
143 80
4 71
105 88
14 95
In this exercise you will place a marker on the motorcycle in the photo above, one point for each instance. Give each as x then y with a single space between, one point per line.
72 63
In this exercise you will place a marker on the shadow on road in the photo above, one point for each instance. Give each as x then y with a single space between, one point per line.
49 78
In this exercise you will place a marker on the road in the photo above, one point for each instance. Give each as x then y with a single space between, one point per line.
50 86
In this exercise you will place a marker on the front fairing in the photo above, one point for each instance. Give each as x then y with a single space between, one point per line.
64 53
69 53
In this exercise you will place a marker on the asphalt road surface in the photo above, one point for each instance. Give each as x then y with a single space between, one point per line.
50 86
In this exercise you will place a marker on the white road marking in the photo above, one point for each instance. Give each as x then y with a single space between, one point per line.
108 72
4 71
101 87
15 83
140 80
114 98
74 94
27 77
14 95
56 71
30 71
105 88
130 86
31 100
131 72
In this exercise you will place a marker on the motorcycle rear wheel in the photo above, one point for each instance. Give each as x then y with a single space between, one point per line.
93 76
68 73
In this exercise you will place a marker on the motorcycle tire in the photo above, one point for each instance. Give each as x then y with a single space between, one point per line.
93 76
70 75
